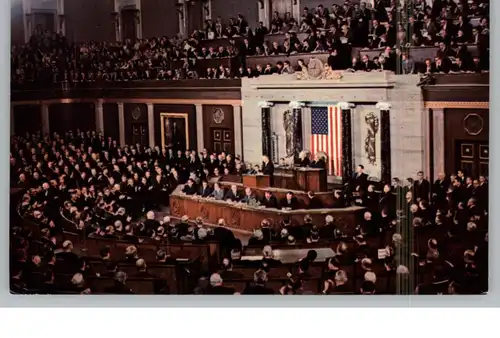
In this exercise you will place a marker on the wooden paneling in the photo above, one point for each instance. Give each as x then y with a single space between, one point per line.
110 115
190 110
455 130
210 124
135 114
457 93
245 218
476 78
159 18
73 116
27 119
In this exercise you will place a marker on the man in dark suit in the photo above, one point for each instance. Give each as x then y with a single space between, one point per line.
233 195
319 162
68 257
268 168
205 189
290 202
360 179
440 187
269 201
142 269
216 286
314 202
421 187
189 188
482 192
120 287
366 64
259 285
227 270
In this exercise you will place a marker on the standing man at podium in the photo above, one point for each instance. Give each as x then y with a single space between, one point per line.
268 169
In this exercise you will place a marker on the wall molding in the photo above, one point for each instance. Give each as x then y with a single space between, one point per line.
458 104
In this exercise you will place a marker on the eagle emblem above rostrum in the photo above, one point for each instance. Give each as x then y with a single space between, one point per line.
316 70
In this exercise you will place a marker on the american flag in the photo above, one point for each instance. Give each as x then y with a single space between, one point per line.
326 136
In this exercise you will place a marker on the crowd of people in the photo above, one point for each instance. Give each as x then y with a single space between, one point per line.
50 57
432 234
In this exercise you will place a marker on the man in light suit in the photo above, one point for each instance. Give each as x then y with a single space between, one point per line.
249 196
218 192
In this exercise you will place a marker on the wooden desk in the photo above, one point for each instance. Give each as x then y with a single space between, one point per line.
256 181
244 217
305 179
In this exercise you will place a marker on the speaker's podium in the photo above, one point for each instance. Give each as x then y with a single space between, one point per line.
256 181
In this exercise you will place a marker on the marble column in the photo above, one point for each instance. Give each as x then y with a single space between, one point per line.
207 10
117 21
438 141
199 127
297 143
265 12
385 141
297 10
266 126
306 128
182 14
99 116
151 125
27 19
61 19
138 19
346 132
121 123
238 132
45 119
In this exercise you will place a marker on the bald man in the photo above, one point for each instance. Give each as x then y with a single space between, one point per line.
440 187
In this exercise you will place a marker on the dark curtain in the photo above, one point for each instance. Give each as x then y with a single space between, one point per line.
385 143
346 146
266 131
297 131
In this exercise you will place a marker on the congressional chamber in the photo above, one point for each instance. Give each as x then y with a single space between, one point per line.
249 147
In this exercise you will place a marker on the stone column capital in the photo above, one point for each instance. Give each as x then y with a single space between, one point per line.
265 104
383 105
296 104
345 105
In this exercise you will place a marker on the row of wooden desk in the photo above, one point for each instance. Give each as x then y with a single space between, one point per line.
247 218
326 198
